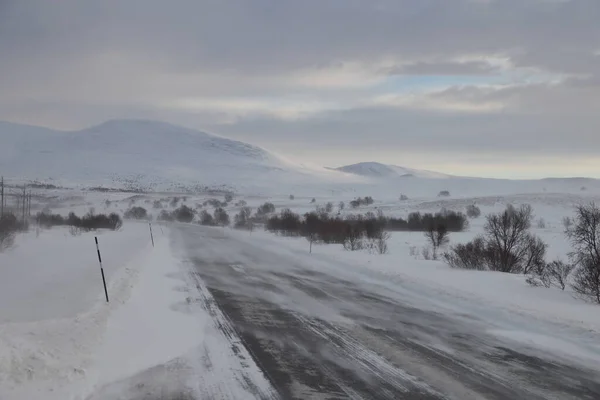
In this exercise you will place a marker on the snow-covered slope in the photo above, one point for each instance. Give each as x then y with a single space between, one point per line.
144 154
378 170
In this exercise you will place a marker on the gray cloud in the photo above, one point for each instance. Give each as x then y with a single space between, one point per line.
304 75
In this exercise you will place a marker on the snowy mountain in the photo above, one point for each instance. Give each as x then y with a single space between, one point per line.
378 170
145 155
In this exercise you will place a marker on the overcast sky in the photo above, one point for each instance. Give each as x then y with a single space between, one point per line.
506 88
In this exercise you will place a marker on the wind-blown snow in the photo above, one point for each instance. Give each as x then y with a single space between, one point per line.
378 170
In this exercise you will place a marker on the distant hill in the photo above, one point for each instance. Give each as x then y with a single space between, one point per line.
378 170
147 155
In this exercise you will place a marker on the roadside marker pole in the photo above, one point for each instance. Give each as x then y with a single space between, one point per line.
151 235
101 269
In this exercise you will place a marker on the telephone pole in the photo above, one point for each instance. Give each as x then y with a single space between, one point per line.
2 197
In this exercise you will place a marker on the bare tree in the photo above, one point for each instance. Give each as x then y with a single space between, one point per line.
437 235
508 235
585 239
567 223
473 211
341 205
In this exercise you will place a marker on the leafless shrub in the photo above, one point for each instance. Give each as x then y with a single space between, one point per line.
473 211
221 217
136 213
242 220
567 223
341 205
426 252
206 218
228 197
557 273
413 251
535 281
380 242
541 223
329 207
507 245
74 230
585 239
437 235
444 193
354 239
292 197
468 256
403 197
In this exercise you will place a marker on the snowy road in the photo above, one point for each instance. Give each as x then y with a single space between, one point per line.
333 333
291 325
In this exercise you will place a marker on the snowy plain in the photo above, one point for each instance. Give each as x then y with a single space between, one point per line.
60 340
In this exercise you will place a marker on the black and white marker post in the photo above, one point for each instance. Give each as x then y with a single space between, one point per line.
151 235
101 269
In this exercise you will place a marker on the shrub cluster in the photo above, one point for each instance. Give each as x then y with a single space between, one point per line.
88 222
368 200
136 213
9 227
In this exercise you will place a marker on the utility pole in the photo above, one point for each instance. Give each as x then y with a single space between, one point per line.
24 200
2 197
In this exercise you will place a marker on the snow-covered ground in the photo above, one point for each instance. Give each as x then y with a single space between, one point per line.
60 340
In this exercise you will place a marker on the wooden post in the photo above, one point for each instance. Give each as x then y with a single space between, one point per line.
101 269
2 197
151 235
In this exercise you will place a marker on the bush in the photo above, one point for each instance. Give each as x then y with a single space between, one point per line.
473 211
567 223
437 235
241 203
585 239
541 223
507 245
266 209
444 193
242 220
88 222
368 200
341 206
221 217
183 214
403 197
174 201
215 203
329 207
472 255
557 273
9 227
206 218
313 201
228 197
157 204
166 216
292 197
136 213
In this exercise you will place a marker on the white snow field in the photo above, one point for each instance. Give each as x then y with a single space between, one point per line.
60 340
218 313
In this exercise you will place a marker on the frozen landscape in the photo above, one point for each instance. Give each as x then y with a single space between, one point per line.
199 311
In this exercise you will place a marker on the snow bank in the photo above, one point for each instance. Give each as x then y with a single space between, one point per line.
55 313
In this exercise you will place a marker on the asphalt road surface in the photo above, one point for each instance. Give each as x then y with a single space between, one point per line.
319 329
